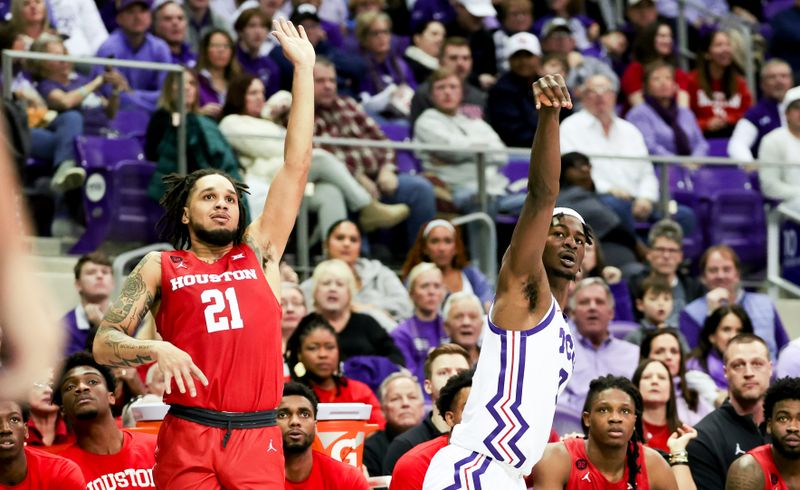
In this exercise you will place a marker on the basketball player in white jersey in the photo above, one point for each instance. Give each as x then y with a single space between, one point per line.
527 353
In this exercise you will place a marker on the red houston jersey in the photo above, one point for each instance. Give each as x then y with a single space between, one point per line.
772 477
228 319
409 471
329 474
131 467
48 471
584 476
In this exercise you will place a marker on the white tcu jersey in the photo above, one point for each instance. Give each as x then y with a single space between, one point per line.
510 409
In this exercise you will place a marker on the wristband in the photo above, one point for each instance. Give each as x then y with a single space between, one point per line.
679 463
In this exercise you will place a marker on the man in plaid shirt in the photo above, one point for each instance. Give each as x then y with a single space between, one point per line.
374 168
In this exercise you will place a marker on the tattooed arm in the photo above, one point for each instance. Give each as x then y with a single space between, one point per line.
114 344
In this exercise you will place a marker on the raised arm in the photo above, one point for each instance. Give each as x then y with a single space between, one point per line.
744 474
114 344
522 266
270 231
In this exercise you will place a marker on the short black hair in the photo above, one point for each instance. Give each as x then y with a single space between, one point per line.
787 388
293 388
81 359
451 389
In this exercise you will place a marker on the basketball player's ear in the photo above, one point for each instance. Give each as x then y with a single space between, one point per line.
112 400
185 217
585 418
450 419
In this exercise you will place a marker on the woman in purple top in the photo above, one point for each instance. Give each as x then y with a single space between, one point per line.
721 326
668 127
424 331
389 84
64 89
216 67
252 29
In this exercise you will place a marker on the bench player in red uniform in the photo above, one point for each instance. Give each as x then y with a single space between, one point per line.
612 457
219 312
773 466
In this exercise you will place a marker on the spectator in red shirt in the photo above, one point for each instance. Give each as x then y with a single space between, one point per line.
718 94
27 468
660 415
655 43
45 425
306 468
409 471
312 354
103 451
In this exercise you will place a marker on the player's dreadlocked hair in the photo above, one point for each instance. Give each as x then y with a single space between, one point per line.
179 188
625 385
298 371
784 389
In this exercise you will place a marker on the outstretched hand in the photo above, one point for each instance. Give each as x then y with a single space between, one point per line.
294 42
681 437
551 91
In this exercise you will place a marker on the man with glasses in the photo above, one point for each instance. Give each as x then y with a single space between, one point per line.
664 259
733 429
628 186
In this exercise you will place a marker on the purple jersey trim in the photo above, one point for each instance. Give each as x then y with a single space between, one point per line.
538 328
476 477
459 464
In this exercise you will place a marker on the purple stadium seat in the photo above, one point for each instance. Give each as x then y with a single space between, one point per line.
406 162
131 124
115 200
516 170
97 152
118 207
731 212
370 370
620 329
567 421
718 147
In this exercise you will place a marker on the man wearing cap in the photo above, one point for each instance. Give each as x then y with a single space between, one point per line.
202 18
468 23
783 145
510 108
169 24
557 38
764 116
132 41
455 55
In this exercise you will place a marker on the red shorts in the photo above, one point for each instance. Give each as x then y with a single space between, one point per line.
190 456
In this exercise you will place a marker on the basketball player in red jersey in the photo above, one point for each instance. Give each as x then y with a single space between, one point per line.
612 456
219 313
773 466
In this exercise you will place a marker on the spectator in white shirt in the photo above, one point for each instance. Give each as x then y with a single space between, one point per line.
80 22
443 124
783 145
629 187
764 116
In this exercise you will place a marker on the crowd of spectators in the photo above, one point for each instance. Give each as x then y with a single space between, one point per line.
699 347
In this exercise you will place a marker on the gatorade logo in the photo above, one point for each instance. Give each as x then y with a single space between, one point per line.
342 446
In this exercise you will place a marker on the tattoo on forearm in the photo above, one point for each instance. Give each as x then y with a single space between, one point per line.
126 353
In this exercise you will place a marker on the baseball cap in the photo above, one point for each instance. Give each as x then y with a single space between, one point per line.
554 24
302 12
523 41
123 4
479 8
792 96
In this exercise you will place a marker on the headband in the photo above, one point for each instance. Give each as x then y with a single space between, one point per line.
438 222
569 212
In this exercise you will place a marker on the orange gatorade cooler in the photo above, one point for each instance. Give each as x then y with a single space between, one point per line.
341 431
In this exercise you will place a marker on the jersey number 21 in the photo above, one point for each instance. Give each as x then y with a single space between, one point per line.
218 302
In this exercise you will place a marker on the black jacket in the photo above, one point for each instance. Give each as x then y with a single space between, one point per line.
424 432
723 436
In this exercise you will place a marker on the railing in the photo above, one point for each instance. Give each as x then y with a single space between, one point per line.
782 246
9 55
